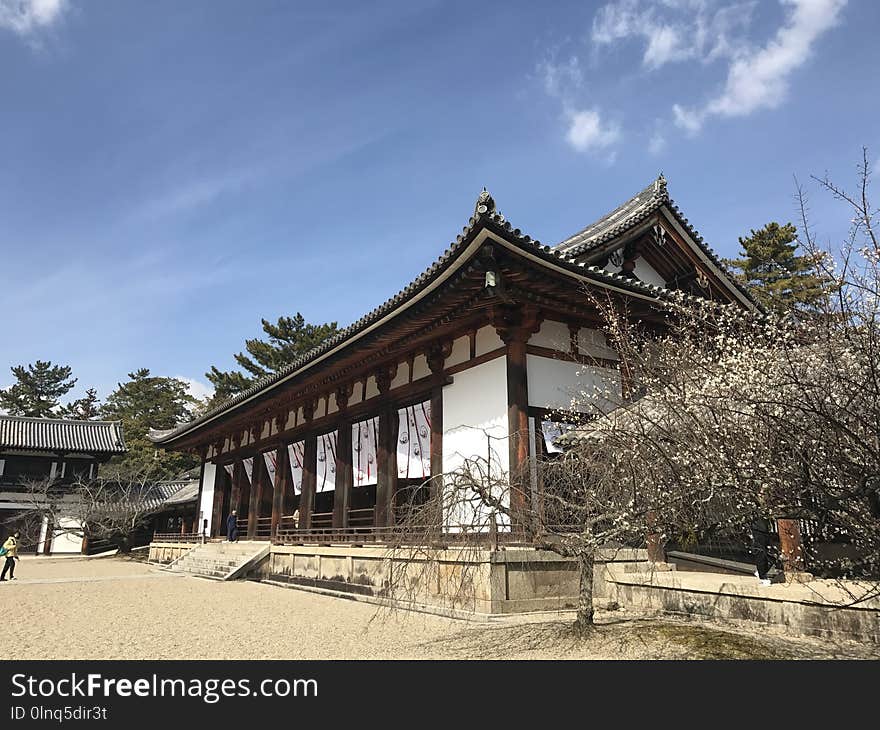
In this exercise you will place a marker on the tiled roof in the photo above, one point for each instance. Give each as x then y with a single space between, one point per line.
186 492
609 226
630 214
50 434
486 216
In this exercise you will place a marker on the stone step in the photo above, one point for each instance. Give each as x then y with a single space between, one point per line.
220 561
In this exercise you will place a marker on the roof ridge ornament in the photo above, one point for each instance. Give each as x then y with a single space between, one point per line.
485 203
660 184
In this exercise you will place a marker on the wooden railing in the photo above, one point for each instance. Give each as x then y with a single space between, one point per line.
362 517
397 535
177 537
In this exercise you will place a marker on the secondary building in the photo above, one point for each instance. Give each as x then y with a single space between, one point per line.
40 460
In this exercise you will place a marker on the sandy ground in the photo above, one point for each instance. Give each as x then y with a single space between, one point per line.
114 608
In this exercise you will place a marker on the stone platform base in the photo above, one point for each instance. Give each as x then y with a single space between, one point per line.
823 608
452 581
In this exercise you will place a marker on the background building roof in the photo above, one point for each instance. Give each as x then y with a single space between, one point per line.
50 434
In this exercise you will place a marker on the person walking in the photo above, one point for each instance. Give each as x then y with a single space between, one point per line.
10 552
760 541
232 527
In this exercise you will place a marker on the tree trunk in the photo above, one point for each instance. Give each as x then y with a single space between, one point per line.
584 621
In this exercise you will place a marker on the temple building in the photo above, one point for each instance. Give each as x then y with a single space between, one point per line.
479 354
54 453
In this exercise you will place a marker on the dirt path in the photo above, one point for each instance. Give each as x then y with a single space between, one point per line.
118 609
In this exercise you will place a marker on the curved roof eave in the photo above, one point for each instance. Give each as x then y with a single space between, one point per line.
479 228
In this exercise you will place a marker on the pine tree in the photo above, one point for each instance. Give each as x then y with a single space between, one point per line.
148 402
37 390
779 278
86 408
288 340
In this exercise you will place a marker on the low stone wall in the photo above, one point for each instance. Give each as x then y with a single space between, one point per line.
486 582
818 608
167 552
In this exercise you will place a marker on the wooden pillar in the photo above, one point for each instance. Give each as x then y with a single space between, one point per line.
436 358
256 496
282 476
309 481
310 471
791 546
386 455
344 476
235 495
515 326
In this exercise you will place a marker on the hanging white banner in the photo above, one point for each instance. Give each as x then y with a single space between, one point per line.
271 459
229 469
364 445
249 468
414 441
326 467
296 454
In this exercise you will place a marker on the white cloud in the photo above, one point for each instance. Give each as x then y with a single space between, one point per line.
758 79
673 30
197 389
587 131
657 143
195 193
25 17
561 79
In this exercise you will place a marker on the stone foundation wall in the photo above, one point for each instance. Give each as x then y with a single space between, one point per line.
474 581
797 609
166 552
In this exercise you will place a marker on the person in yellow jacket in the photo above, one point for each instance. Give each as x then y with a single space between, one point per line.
10 552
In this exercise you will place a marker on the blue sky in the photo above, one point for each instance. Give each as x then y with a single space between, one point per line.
170 172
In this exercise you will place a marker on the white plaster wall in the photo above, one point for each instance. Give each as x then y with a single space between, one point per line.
593 342
487 340
420 367
553 335
643 270
402 375
331 404
648 273
372 388
461 352
566 385
66 542
473 406
206 505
